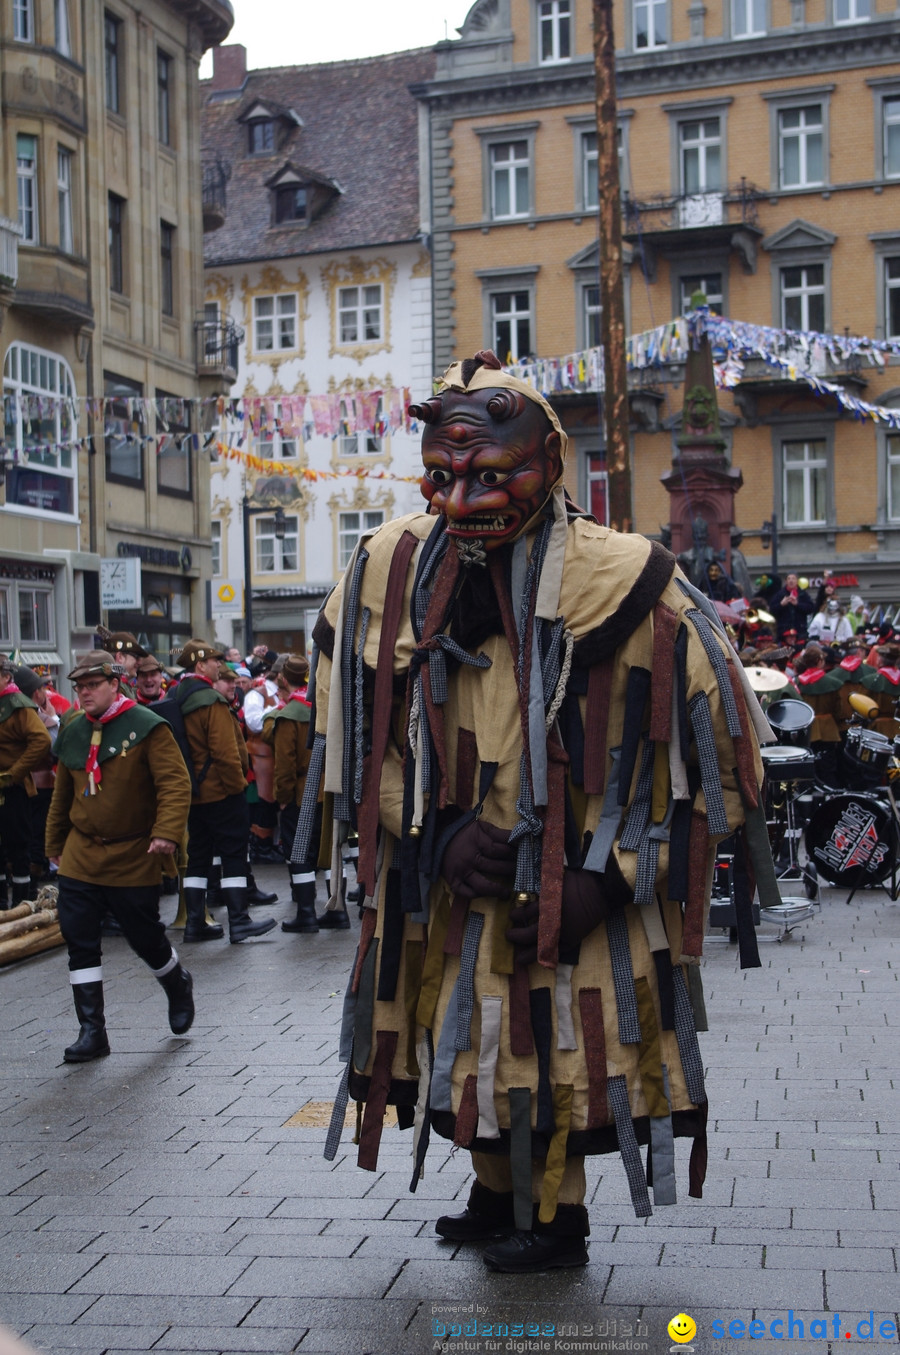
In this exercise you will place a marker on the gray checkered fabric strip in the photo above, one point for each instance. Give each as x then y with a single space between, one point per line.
358 707
307 816
686 1035
662 1152
335 1127
465 999
708 756
719 665
623 978
639 813
647 864
617 1094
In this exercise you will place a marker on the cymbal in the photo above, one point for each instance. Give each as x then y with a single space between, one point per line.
765 679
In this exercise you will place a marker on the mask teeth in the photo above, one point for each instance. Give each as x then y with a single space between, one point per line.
481 524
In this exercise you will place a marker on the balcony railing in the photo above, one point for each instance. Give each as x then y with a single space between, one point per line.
216 174
10 232
217 343
735 206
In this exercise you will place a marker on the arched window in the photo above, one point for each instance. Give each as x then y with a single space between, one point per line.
41 424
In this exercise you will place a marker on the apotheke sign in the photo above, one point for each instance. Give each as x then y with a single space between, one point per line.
157 555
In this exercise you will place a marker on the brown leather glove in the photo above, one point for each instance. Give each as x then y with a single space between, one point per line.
478 861
584 907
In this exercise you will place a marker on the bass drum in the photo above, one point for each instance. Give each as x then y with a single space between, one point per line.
792 720
848 839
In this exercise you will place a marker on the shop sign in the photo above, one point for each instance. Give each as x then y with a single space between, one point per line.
120 584
227 597
157 555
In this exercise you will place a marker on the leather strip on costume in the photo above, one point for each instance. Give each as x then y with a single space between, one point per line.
465 983
412 983
521 1042
466 757
552 857
617 1091
467 1115
541 1025
665 624
339 783
684 724
637 603
660 953
379 1087
593 1034
520 1155
757 835
434 965
678 772
459 911
445 1057
362 1034
358 729
610 818
743 748
323 634
565 1026
698 876
338 1115
491 1014
572 726
679 837
348 1022
422 1120
699 1156
636 694
366 932
556 1153
649 1055
695 993
686 1035
391 939
623 978
661 1157
306 819
748 947
719 665
710 777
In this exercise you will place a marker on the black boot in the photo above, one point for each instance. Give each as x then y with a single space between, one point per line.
240 925
92 1042
487 1217
335 919
255 895
179 986
548 1246
197 928
303 893
213 885
21 890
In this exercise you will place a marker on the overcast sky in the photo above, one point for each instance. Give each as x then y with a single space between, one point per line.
297 32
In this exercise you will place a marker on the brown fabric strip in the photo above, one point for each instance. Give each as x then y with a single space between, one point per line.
467 1115
665 623
637 603
743 747
366 932
503 952
466 757
459 911
412 986
590 1005
382 707
379 1086
563 1094
698 850
596 725
552 856
434 964
521 1040
650 1056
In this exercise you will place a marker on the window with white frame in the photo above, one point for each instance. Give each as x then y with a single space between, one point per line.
892 298
892 446
62 31
890 131
23 20
805 468
36 616
748 18
215 541
41 423
275 322
700 155
351 527
64 197
801 146
274 556
510 180
803 297
361 313
592 315
651 28
511 325
124 429
26 185
852 11
710 284
362 441
554 31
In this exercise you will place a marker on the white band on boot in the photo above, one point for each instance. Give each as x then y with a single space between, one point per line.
167 968
77 976
21 879
194 882
234 882
307 879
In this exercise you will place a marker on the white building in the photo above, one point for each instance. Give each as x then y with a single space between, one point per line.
319 256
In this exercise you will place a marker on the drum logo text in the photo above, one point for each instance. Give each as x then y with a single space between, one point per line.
853 842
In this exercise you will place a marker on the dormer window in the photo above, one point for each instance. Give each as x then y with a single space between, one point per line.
290 203
261 133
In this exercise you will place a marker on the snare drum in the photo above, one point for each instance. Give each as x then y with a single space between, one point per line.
788 764
869 748
792 720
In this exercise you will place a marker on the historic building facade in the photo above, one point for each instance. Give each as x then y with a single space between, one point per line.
759 156
319 257
100 290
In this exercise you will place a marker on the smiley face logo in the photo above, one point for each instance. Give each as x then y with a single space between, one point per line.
682 1328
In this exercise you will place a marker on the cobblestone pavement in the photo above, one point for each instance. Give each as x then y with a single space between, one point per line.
167 1198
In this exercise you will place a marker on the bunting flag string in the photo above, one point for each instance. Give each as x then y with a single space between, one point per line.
230 452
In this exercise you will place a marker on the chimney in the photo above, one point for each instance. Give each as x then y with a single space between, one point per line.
229 67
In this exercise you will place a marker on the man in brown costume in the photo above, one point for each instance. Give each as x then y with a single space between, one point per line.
118 812
512 700
24 747
285 730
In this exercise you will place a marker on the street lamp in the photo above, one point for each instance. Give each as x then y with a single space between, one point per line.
280 527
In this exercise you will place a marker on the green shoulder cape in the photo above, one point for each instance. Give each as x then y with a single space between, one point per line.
15 701
121 734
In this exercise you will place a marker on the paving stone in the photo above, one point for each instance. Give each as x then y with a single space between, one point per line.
84 1336
161 1275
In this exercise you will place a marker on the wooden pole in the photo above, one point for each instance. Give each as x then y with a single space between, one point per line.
612 281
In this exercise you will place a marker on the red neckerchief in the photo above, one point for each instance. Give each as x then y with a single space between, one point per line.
199 678
9 690
92 766
892 675
147 700
851 663
299 694
811 675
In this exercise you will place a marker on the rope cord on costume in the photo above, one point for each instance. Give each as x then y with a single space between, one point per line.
563 681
